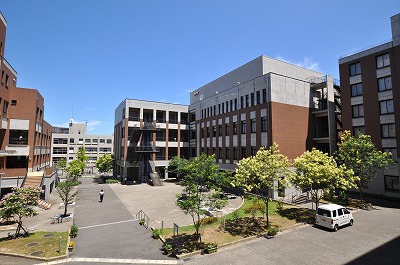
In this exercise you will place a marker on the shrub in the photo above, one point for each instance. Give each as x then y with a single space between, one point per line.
273 231
256 207
74 231
141 221
168 248
111 181
210 220
156 233
211 248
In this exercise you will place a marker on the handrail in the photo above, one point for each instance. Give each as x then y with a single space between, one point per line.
141 215
23 182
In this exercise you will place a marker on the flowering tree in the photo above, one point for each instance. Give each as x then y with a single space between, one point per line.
19 204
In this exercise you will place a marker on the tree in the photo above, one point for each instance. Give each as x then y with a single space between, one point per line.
19 204
360 155
75 169
318 171
67 194
62 164
81 155
261 173
199 175
177 165
105 163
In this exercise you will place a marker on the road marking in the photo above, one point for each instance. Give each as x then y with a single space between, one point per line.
120 222
104 260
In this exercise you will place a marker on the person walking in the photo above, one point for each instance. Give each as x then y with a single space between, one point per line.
101 195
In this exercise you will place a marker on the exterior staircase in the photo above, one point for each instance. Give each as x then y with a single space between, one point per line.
33 179
154 175
301 198
43 204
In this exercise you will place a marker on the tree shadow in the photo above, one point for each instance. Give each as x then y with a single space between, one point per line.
185 243
301 215
246 226
98 180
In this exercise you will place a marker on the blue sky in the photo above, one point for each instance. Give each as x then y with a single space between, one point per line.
86 56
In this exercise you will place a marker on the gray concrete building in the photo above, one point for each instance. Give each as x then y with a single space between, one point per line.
68 141
147 135
262 102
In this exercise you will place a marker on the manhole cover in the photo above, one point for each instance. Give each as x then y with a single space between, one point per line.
37 253
48 235
32 244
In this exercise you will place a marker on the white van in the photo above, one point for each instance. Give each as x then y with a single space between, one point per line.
333 216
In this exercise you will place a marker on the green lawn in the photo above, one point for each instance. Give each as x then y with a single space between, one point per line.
45 242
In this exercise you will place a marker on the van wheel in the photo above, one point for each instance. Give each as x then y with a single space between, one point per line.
351 222
335 228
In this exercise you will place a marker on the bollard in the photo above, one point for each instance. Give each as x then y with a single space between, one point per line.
59 244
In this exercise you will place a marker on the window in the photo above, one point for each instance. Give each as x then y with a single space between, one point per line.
214 131
231 102
247 101
71 149
355 69
235 128
59 150
252 99
264 124
382 60
243 127
264 95
95 141
227 129
244 155
227 107
208 132
91 149
219 130
235 153
393 151
202 132
235 103
14 102
358 111
227 156
253 151
80 141
392 183
241 102
356 90
87 141
102 141
358 129
386 106
258 97
219 108
388 130
71 140
385 83
105 149
5 107
223 107
215 111
18 137
253 125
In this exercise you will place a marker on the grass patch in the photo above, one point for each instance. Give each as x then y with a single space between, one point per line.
26 245
236 226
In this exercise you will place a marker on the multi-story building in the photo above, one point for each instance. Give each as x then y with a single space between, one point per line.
370 82
263 102
25 136
147 135
68 141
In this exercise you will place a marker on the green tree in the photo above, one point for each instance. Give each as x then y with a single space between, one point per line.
262 173
105 163
19 204
177 166
62 164
75 169
198 175
319 172
81 155
67 193
360 155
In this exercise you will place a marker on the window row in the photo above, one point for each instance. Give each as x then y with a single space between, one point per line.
206 132
232 105
384 83
230 152
387 130
385 107
381 62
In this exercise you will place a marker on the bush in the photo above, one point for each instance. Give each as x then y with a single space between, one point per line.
111 181
168 249
256 207
210 220
211 248
273 231
156 233
74 231
141 221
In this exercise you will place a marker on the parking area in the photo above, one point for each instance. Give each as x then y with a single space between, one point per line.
374 239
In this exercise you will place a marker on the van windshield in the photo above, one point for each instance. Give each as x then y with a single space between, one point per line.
324 212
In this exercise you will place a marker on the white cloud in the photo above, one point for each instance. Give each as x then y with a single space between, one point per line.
307 62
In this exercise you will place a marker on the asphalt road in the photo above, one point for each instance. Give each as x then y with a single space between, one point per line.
374 239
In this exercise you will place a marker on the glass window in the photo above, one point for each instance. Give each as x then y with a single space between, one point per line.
340 212
356 90
247 101
241 102
358 129
386 106
258 97
223 107
220 153
264 95
220 130
264 124
227 153
102 141
227 129
235 103
392 183
18 137
358 111
243 127
382 60
71 140
235 128
385 83
87 141
253 151
227 107
355 69
388 130
244 155
253 125
252 99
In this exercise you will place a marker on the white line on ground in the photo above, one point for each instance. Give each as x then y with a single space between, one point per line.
103 260
91 226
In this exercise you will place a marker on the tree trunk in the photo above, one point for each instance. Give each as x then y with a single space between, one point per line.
266 210
65 208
